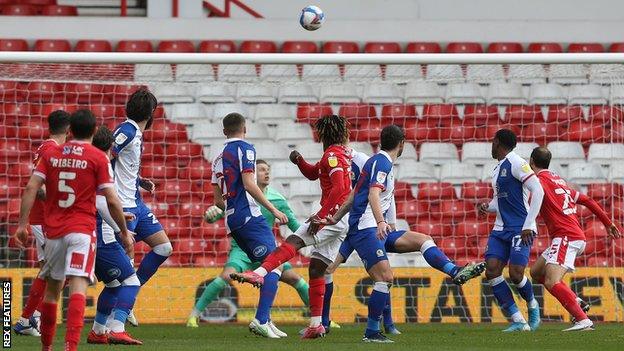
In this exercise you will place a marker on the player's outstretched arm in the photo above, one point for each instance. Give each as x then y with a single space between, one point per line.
116 212
252 188
28 199
595 208
310 171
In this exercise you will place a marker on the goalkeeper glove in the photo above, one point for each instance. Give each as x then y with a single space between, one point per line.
213 214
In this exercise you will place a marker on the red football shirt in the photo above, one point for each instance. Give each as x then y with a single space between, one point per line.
335 178
73 172
36 213
559 207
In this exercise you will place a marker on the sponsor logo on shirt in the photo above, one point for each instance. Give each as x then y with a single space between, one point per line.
260 251
77 260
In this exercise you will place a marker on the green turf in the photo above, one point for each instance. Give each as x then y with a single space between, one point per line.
415 337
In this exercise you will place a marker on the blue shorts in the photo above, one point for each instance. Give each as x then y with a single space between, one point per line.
112 263
370 249
391 240
507 246
145 223
255 238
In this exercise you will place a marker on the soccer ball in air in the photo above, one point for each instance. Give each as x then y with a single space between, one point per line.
311 18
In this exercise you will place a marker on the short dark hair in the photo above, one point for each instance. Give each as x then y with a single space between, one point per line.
82 124
541 157
506 138
58 122
103 138
391 137
262 162
233 123
141 105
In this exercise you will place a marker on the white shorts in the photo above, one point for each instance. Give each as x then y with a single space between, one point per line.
327 241
73 255
37 231
563 252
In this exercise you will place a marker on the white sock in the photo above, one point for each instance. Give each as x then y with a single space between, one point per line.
24 321
99 328
579 300
517 317
116 326
195 313
533 304
261 271
36 314
315 321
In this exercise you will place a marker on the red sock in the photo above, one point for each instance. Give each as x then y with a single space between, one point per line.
281 255
35 297
567 298
75 321
317 294
48 323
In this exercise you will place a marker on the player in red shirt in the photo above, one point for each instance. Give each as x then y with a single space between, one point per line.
72 173
568 239
334 173
58 125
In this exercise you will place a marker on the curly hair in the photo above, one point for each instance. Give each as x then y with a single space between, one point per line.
332 130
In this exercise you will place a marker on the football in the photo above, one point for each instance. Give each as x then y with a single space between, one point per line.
311 18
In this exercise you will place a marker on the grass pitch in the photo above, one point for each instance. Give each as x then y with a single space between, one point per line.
235 337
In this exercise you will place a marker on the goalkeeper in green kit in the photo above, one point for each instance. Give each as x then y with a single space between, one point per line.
238 260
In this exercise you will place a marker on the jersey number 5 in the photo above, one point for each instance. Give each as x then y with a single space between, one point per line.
64 188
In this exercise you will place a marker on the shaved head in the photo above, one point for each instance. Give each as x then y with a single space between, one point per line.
541 157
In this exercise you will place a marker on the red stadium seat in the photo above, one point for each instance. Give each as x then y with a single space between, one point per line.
176 46
403 191
43 92
153 151
459 133
93 46
258 47
196 169
12 112
477 191
604 114
595 229
309 113
599 261
540 244
212 231
217 46
184 150
203 188
188 249
104 110
412 210
541 133
382 48
480 115
173 190
437 115
435 191
11 90
299 47
595 246
616 47
33 130
7 132
357 113
464 48
13 45
417 131
434 228
456 210
523 115
545 48
18 10
368 131
472 228
604 192
56 10
584 132
423 48
134 46
341 47
86 93
397 114
52 45
120 92
177 228
15 149
158 170
35 2
585 47
456 248
565 113
504 48
192 209
163 130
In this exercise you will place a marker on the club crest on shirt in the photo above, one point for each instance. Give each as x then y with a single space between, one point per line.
333 161
251 155
381 177
120 138
503 172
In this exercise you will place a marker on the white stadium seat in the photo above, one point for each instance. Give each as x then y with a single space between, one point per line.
458 173
382 93
153 73
195 73
438 153
585 173
606 73
547 94
616 173
568 74
304 190
293 133
311 151
172 93
362 72
506 94
616 94
588 94
207 133
566 152
321 73
403 73
606 154
419 92
526 74
256 132
296 93
362 147
444 73
477 153
485 74
216 93
415 172
237 73
464 93
338 93
274 113
409 153
188 113
487 170
270 150
255 93
284 170
221 110
279 73
524 150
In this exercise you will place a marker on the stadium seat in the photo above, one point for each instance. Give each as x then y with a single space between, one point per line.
382 48
187 113
545 48
412 210
585 173
546 94
338 94
285 171
274 113
409 153
382 93
293 134
478 153
258 47
299 47
321 73
604 192
568 74
255 94
423 48
40 92
217 46
304 190
420 93
165 131
472 228
364 147
455 248
564 153
175 46
588 94
33 130
362 73
93 46
52 45
464 48
134 46
564 114
457 210
158 170
86 93
606 73
485 74
584 132
616 173
414 172
457 173
438 153
606 154
270 151
188 249
309 113
18 10
397 113
340 47
435 191
540 244
184 150
279 73
585 47
13 45
506 94
237 73
357 113
221 110
403 191
523 115
435 228
504 48
217 93
57 10
195 73
367 131
153 73
296 93
604 114
477 191
172 93
540 133
444 73
526 74
464 93
616 94
402 73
